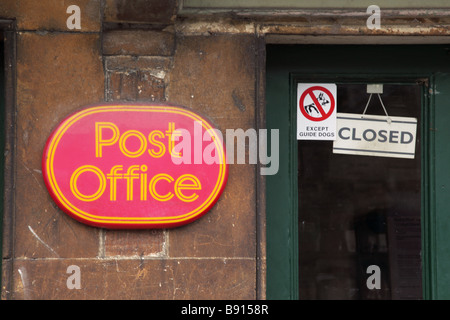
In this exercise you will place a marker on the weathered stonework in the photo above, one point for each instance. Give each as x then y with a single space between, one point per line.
144 51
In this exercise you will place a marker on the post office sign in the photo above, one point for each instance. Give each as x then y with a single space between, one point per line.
135 166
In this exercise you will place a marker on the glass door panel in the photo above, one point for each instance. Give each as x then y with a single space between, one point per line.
360 216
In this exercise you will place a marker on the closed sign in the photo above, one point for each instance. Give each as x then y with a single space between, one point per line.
375 136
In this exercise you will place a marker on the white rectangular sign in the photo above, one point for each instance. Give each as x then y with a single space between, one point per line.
375 136
316 111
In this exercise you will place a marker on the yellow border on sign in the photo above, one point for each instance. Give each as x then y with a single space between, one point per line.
51 149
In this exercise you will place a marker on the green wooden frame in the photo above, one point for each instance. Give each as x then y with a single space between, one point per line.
287 65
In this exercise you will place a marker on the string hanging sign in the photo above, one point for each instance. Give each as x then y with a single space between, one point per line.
374 135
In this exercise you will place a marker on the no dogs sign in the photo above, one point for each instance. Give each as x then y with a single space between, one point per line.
316 111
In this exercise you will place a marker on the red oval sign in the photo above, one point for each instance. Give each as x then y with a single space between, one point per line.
135 166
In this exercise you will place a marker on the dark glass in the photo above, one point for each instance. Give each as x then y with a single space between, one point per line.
357 211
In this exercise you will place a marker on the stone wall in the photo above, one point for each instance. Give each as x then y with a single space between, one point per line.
125 53
144 51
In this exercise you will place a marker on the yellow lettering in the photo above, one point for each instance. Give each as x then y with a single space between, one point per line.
152 187
162 148
171 141
130 176
187 182
74 178
123 140
113 176
143 183
100 141
135 174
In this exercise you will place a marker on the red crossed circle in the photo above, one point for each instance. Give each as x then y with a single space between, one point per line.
323 114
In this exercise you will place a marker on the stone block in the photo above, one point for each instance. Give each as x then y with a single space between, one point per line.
138 42
135 243
8 9
115 279
135 86
56 75
158 65
229 228
140 11
52 15
215 76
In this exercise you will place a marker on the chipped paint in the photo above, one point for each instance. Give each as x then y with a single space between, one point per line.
220 26
319 22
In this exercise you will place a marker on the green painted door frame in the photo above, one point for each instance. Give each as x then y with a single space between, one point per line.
429 65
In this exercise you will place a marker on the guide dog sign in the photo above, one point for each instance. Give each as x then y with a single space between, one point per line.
316 111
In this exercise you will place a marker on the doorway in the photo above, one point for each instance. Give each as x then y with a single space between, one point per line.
359 216
339 224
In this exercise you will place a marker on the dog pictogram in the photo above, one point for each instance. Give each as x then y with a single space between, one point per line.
322 105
